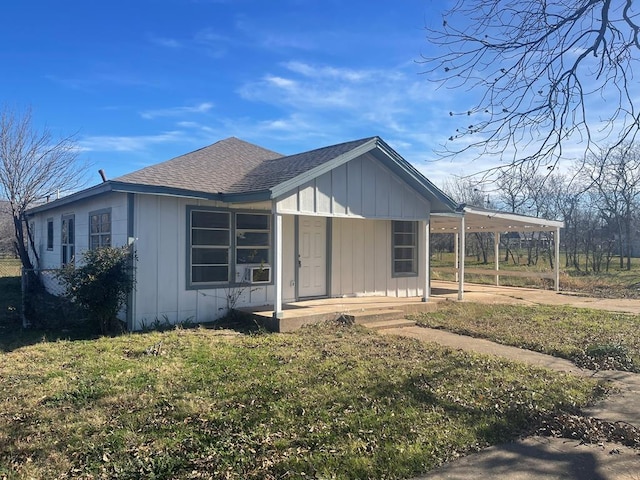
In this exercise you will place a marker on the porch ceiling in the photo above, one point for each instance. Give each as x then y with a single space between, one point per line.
484 220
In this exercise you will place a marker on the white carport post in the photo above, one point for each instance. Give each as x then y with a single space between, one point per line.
426 262
556 241
277 260
462 254
456 249
496 253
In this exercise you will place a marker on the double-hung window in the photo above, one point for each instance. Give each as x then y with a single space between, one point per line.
100 229
210 244
68 238
405 249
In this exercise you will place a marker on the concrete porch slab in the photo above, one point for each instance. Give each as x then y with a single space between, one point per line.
297 314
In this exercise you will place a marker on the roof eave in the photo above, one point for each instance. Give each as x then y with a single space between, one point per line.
125 187
543 222
74 197
246 197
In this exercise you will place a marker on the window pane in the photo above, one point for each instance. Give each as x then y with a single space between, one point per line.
404 266
94 224
252 255
49 235
106 240
404 253
403 227
209 274
252 222
106 222
209 219
402 239
253 239
65 236
94 242
210 237
210 256
71 231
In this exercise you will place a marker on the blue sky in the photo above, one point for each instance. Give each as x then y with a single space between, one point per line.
142 81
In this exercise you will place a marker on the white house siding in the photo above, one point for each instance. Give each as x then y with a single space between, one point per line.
160 228
361 188
361 261
117 202
52 259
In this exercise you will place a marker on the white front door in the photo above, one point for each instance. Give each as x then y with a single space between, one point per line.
312 257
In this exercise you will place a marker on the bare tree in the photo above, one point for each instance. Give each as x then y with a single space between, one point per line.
546 74
6 229
470 192
615 176
33 166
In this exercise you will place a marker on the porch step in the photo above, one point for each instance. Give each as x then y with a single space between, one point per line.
373 315
397 323
380 319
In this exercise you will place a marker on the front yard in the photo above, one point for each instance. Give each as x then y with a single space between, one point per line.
330 401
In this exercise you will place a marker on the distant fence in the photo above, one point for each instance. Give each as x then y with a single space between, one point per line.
9 268
43 303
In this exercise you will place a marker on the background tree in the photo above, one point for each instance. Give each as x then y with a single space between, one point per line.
6 230
33 167
614 177
539 68
470 192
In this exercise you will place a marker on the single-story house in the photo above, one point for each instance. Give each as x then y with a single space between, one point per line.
236 225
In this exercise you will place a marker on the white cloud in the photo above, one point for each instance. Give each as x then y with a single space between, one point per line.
128 143
165 42
203 107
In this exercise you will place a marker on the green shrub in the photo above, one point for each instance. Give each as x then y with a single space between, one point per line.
100 284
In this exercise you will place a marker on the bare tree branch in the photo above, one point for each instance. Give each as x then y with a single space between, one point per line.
547 75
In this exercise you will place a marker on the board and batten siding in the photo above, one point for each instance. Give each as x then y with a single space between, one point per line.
161 293
361 261
361 188
116 202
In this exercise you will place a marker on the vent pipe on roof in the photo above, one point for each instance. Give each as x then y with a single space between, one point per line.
103 175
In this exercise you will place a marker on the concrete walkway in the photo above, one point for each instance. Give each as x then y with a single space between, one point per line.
474 292
546 458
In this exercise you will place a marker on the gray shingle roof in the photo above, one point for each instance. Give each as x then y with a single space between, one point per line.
234 166
272 172
211 169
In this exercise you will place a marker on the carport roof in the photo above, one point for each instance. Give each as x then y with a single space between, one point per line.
478 219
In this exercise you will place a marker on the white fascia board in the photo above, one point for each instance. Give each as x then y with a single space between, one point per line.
515 218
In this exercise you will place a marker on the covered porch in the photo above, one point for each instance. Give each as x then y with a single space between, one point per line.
482 220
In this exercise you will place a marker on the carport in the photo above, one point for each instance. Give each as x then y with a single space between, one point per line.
482 220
